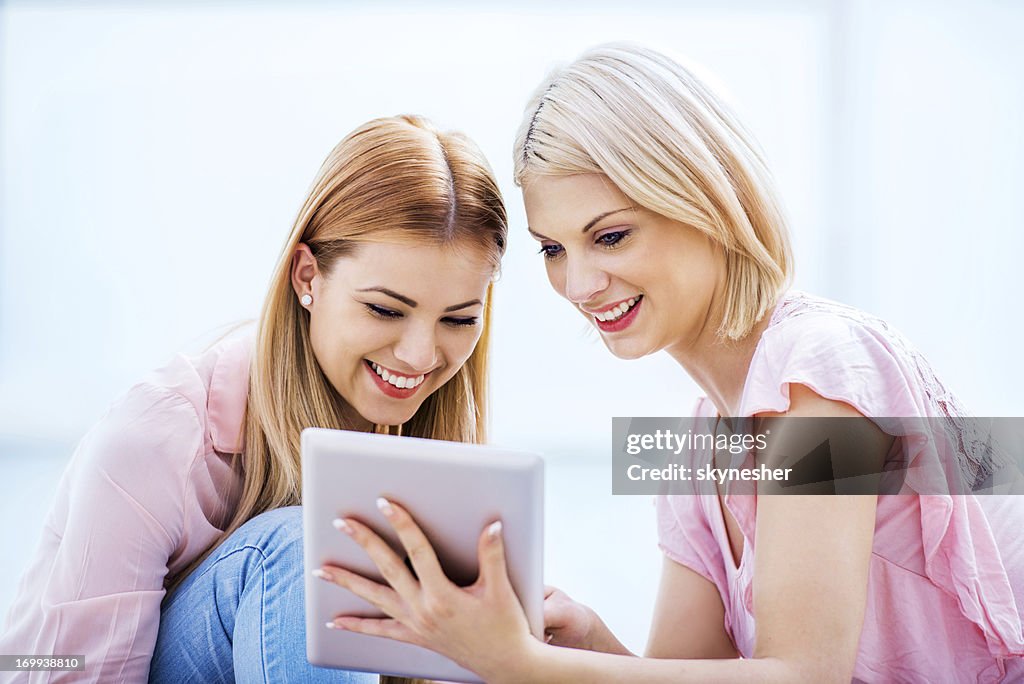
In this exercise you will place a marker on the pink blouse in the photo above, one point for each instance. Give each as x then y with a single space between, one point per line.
148 489
946 573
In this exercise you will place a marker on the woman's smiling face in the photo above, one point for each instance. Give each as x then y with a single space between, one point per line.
390 323
645 282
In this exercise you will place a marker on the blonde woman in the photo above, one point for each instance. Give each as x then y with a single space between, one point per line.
656 219
174 551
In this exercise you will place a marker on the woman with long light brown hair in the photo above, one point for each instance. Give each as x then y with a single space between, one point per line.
174 550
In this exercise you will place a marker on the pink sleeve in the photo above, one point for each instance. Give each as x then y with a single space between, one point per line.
684 534
837 358
95 584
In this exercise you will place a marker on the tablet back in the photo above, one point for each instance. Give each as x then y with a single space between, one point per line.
454 491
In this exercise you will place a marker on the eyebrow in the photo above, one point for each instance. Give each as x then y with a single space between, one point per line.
606 214
412 302
391 293
590 224
463 305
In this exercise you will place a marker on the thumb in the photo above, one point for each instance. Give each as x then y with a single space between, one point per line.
491 552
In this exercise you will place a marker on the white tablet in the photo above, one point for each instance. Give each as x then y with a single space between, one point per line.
454 491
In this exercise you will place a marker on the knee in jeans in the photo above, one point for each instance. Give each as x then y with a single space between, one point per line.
277 533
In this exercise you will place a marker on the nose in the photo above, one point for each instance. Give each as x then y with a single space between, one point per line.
417 348
583 280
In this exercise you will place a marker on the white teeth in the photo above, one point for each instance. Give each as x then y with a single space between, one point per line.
399 381
617 312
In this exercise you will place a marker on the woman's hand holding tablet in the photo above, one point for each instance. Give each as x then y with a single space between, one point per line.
415 536
426 608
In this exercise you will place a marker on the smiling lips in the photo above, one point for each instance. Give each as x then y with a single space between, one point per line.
393 384
620 316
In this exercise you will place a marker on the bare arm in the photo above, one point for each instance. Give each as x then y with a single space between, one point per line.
689 618
810 589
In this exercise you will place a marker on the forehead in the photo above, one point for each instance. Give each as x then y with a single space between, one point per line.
567 203
431 273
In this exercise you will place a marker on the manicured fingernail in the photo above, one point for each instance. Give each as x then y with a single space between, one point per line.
385 507
331 625
323 574
342 526
494 531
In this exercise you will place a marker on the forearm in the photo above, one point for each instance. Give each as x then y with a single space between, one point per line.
553 665
604 641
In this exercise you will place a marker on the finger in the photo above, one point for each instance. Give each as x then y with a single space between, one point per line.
420 550
549 590
383 556
380 596
556 615
491 552
383 627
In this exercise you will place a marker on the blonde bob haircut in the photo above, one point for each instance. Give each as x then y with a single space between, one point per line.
394 179
671 146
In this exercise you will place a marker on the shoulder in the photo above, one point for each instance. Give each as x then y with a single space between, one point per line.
174 415
840 353
806 325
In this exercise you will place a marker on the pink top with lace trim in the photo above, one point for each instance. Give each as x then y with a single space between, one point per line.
946 572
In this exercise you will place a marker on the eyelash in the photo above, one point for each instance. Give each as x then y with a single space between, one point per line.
389 315
552 252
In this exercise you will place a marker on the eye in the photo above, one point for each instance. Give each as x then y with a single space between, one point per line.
381 312
613 238
551 252
462 321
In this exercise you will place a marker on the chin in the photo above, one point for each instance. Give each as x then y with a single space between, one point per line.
382 416
628 351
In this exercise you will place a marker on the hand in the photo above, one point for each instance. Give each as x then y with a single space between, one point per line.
481 627
574 625
566 622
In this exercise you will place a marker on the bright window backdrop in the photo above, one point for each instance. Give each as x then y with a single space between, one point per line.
153 159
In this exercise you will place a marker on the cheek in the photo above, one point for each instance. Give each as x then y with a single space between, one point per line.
459 347
339 342
556 276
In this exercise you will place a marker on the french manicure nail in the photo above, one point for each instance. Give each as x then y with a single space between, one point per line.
385 507
342 526
323 574
331 625
494 531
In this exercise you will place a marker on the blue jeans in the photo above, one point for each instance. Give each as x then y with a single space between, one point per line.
241 614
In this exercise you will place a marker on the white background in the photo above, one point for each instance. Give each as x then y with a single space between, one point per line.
153 159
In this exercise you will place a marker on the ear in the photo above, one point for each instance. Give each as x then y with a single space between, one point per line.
304 271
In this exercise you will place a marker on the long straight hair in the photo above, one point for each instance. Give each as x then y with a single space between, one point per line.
395 179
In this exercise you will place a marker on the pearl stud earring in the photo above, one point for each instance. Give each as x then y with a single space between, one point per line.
306 299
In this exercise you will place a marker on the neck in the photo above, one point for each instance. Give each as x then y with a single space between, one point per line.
719 365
